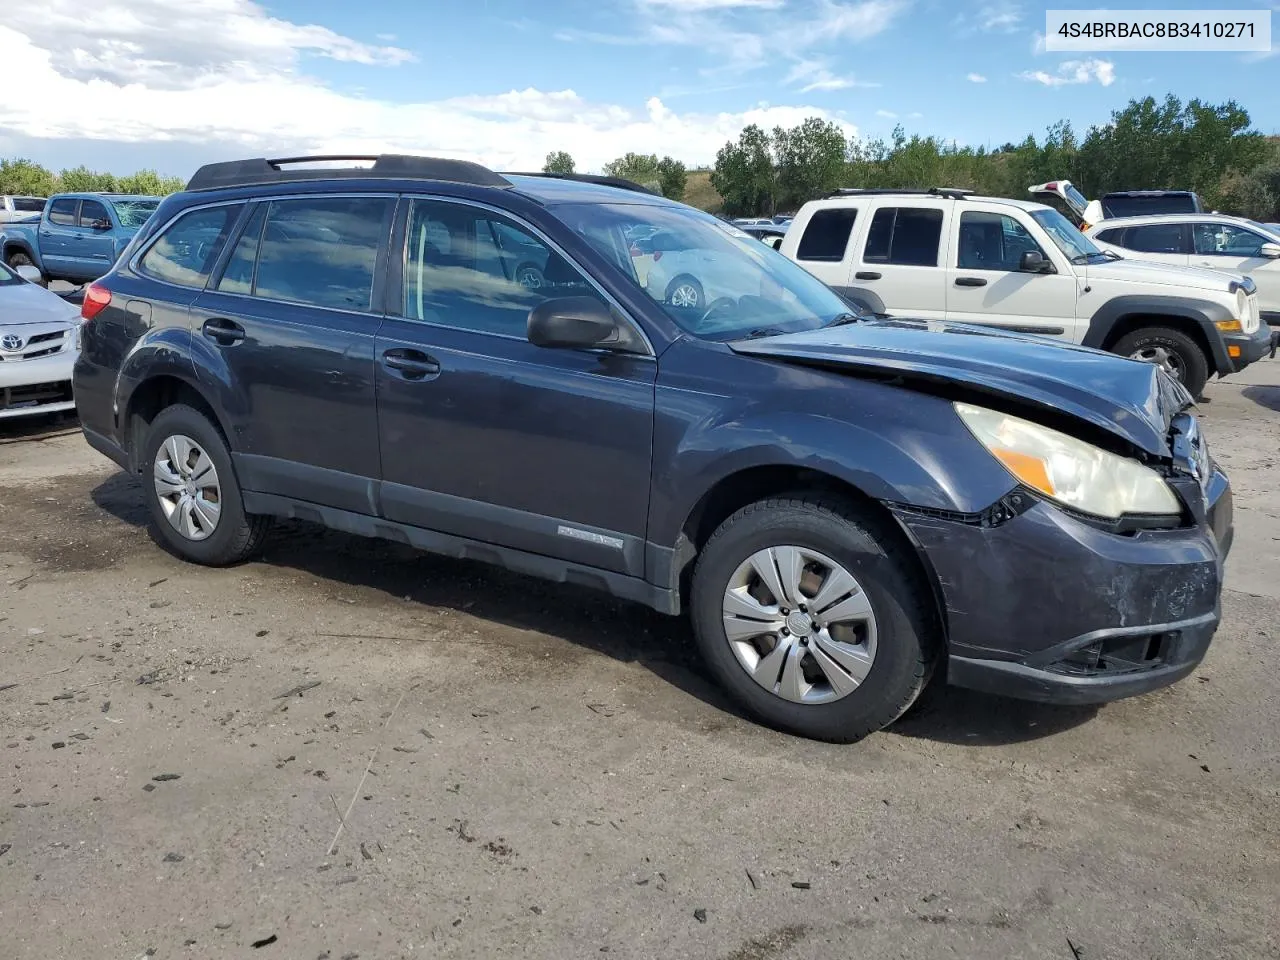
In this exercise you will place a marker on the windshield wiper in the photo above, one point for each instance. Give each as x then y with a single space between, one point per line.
840 319
763 332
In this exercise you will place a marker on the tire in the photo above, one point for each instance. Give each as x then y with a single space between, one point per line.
233 535
902 639
1186 361
18 258
692 286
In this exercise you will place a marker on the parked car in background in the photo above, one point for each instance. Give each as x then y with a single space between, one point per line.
1067 200
38 332
1203 240
16 208
78 235
769 234
842 505
945 254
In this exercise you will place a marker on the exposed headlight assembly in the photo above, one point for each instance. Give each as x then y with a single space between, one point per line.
1070 471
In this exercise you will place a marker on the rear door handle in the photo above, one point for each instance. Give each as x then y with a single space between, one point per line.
410 364
223 332
970 282
866 275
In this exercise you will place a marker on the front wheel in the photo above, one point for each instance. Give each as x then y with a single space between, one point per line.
813 616
1171 350
196 506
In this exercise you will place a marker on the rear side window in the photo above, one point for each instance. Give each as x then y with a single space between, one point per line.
63 212
322 250
1159 238
904 235
237 276
827 234
1114 235
185 252
93 213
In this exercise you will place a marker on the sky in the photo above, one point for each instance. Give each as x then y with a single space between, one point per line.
121 85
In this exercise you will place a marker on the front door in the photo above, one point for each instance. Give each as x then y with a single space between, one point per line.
287 330
985 284
59 234
95 247
486 436
1224 246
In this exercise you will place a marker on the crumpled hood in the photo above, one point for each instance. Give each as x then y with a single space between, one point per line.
25 303
1167 274
1133 400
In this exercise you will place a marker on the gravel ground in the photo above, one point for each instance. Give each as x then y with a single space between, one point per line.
348 749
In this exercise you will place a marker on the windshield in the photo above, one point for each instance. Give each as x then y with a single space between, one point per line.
134 213
712 279
1272 230
1065 235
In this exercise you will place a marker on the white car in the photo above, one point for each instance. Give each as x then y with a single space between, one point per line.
943 254
38 348
1203 240
14 207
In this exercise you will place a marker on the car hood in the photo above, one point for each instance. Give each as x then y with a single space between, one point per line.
1127 398
26 303
1146 271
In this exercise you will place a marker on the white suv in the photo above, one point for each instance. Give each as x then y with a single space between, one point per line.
944 254
1203 240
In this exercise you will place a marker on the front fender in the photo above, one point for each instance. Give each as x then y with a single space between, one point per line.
1203 313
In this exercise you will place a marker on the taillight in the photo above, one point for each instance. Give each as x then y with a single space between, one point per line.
96 298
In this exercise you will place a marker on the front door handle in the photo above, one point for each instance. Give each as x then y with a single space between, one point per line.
410 364
223 332
970 282
866 275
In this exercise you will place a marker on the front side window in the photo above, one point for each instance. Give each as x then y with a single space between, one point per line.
908 236
93 214
322 250
63 211
185 253
1224 240
827 234
1158 238
475 270
237 276
993 241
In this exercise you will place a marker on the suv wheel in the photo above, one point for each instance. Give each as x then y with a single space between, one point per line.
684 291
813 617
1176 353
196 508
18 259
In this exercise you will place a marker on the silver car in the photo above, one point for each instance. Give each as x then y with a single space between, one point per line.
38 346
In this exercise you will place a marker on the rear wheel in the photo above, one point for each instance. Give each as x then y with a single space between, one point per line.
812 615
195 501
18 258
1171 350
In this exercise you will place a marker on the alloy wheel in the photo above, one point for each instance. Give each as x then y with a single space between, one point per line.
1163 357
685 295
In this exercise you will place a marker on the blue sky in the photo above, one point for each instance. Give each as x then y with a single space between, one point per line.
122 84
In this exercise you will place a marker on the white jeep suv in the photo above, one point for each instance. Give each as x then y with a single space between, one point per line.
945 254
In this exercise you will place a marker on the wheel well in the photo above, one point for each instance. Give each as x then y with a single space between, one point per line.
737 490
1136 321
150 398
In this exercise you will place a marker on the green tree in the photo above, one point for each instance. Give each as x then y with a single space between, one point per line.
641 168
558 161
810 161
672 178
149 182
744 174
26 177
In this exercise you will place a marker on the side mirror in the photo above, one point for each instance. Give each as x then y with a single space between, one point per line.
573 323
1269 250
30 273
1033 261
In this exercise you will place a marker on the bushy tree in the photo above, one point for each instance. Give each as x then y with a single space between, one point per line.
672 177
558 161
744 174
25 177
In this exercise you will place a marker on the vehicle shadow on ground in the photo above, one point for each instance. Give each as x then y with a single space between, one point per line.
626 632
1263 396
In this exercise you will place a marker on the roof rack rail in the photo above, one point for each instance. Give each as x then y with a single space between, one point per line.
619 182
951 193
241 173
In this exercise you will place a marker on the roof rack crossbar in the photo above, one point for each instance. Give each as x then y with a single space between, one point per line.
952 193
260 170
619 182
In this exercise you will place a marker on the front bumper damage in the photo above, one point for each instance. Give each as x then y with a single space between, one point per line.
1043 605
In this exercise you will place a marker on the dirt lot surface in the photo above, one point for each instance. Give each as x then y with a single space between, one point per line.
526 770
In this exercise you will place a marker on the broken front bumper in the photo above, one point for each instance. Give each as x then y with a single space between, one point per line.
1048 607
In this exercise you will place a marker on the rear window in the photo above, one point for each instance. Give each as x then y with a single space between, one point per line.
185 253
904 235
63 212
827 234
28 204
1114 235
1138 205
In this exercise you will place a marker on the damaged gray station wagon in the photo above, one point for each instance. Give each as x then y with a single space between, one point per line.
473 363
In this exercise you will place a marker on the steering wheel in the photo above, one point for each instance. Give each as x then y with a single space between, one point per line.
715 306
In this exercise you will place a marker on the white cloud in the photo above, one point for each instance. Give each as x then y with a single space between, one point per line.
915 115
887 114
813 75
693 5
1002 17
1072 72
275 108
976 78
1037 43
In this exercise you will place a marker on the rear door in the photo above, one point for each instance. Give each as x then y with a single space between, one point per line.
902 258
985 283
1226 246
58 236
823 245
486 436
286 336
94 246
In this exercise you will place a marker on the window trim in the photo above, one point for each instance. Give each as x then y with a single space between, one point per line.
896 208
135 261
848 240
1233 226
400 263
